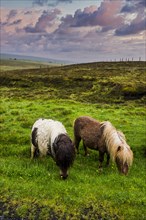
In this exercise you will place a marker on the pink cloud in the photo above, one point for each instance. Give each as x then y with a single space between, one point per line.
10 17
107 14
36 19
45 22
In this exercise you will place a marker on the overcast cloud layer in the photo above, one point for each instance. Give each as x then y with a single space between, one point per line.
109 30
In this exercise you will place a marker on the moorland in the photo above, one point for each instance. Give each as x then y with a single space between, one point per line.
113 91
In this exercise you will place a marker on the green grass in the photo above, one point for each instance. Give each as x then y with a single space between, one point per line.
33 189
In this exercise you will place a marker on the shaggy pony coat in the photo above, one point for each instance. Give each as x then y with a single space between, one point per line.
50 137
104 138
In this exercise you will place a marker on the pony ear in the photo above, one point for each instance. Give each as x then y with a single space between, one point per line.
119 148
55 146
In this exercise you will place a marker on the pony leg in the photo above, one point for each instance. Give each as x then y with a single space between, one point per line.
32 151
77 142
101 159
108 159
85 149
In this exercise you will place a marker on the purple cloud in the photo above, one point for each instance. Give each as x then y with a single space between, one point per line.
44 21
128 8
132 28
16 22
133 6
107 14
108 17
136 25
12 14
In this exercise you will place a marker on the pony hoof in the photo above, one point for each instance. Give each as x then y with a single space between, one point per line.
100 170
63 177
87 155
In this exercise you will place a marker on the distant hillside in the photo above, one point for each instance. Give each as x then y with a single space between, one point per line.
17 64
32 58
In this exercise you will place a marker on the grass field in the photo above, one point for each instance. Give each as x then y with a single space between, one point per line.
105 91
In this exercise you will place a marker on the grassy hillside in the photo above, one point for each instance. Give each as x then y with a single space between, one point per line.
92 83
105 91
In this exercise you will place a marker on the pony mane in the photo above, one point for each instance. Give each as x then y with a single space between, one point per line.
116 144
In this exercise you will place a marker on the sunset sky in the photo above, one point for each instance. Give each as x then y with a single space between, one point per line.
74 30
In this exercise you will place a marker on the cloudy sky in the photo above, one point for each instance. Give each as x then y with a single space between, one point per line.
74 30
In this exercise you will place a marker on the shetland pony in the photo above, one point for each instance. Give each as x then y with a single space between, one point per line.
50 137
104 138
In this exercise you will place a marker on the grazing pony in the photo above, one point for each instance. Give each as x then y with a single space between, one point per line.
49 137
104 138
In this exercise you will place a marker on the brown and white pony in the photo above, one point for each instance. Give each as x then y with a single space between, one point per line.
103 137
50 137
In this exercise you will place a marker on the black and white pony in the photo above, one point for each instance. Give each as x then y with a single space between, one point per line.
50 137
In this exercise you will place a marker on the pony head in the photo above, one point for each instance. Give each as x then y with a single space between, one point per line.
124 158
64 154
117 147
